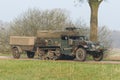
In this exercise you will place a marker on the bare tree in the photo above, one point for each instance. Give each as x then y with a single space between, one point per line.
34 19
84 29
105 37
4 36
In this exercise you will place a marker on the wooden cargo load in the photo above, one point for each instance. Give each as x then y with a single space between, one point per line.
54 34
20 40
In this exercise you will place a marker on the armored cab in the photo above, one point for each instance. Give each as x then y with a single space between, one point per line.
51 45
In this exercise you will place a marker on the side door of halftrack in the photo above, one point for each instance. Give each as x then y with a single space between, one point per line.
66 48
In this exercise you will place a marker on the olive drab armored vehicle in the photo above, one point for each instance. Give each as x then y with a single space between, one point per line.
51 45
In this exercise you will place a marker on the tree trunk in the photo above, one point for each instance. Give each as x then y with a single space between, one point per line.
94 5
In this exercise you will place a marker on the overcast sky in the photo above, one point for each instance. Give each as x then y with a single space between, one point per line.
109 12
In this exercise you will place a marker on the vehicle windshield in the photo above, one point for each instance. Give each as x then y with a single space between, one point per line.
78 37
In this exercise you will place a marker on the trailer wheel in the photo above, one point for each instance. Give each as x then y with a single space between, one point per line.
15 53
98 56
30 54
81 54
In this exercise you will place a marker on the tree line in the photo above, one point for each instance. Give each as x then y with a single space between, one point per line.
29 22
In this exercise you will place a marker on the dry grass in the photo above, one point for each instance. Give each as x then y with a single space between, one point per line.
113 54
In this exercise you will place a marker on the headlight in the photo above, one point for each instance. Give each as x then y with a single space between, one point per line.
97 47
85 46
93 46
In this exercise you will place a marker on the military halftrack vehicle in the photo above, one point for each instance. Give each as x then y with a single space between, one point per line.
51 45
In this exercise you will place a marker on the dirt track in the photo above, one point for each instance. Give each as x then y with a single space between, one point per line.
94 62
5 57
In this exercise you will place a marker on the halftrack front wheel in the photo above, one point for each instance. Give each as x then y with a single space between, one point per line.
98 56
81 54
15 53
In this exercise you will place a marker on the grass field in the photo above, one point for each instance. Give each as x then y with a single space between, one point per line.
52 70
5 54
